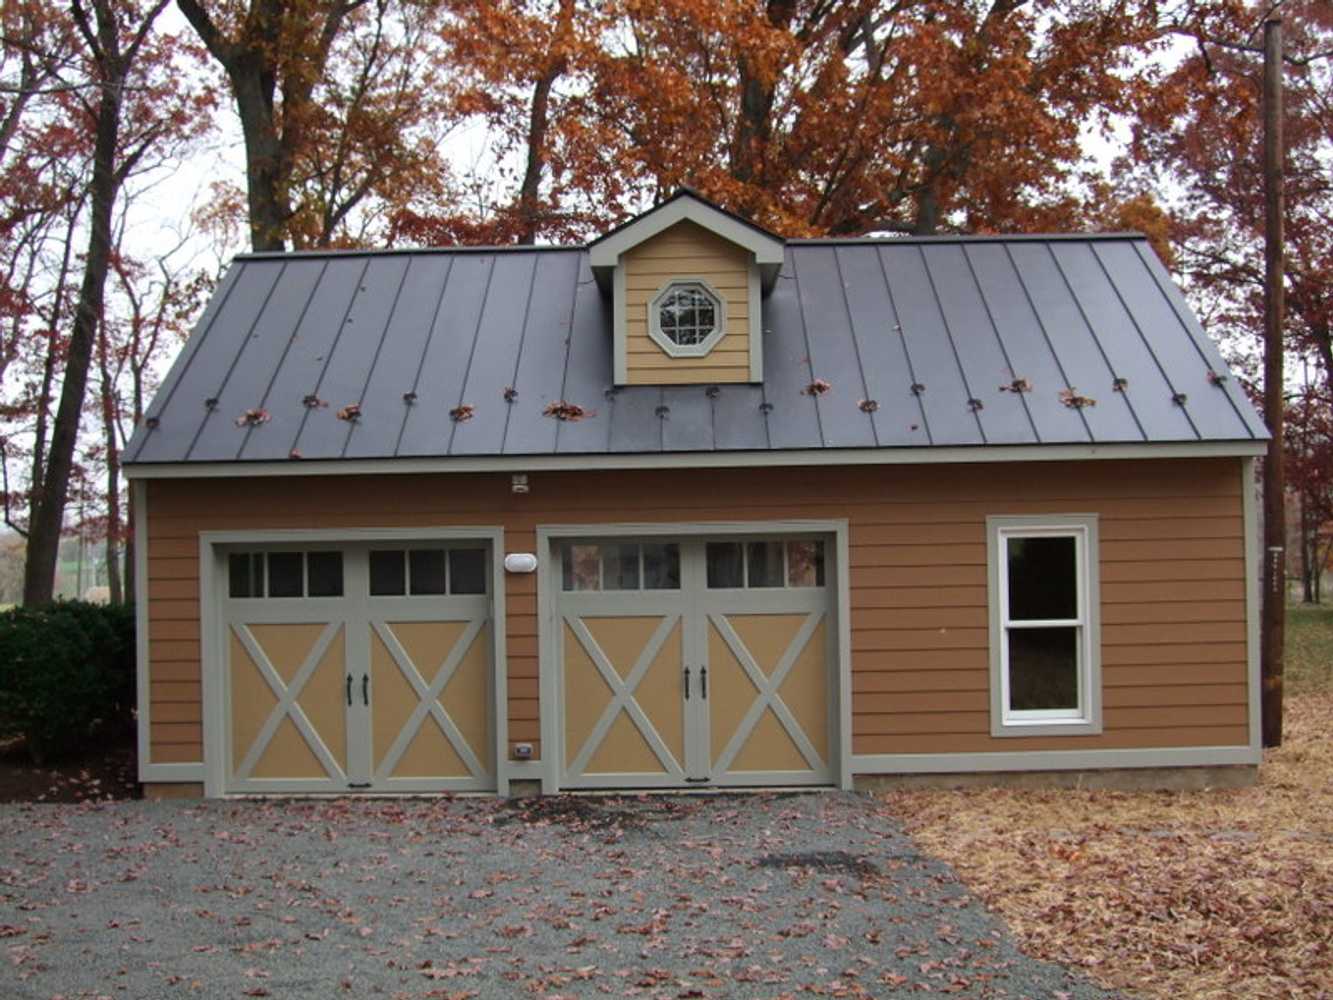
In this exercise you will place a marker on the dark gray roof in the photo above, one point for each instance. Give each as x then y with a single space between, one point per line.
957 341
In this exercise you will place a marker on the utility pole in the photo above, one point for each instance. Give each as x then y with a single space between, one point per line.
1275 515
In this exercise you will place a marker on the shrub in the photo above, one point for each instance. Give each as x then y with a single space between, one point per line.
63 668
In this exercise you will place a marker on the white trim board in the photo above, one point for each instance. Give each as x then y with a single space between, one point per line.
605 252
1253 562
1051 760
944 455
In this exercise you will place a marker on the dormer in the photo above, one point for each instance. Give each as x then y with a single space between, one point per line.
687 281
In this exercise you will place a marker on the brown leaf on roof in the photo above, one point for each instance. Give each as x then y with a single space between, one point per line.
867 405
510 394
313 402
1120 384
1071 398
564 410
816 388
351 412
253 418
1019 384
461 412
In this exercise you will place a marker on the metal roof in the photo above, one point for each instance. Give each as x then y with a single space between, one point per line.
921 342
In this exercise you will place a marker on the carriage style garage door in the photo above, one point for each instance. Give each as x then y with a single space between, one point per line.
358 667
695 663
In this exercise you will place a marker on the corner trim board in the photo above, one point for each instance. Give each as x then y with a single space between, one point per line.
142 674
1050 760
1253 562
943 455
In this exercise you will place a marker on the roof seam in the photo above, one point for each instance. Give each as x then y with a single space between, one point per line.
856 344
902 339
425 352
1189 332
1101 348
1004 351
472 351
375 358
569 344
1050 344
953 346
332 349
518 353
1147 346
809 353
291 338
259 314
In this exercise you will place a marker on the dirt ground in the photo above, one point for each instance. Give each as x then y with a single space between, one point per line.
104 774
1193 895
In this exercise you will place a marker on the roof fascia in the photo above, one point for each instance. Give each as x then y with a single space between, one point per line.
701 460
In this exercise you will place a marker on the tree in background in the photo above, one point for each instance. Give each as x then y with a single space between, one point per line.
341 109
109 100
1200 134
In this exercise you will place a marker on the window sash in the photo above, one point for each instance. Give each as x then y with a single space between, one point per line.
1054 716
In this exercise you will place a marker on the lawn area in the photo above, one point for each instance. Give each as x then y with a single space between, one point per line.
1180 895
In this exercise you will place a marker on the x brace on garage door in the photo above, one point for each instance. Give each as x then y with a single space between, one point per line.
704 660
335 665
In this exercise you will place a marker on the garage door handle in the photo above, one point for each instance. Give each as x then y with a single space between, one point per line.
349 690
687 683
365 689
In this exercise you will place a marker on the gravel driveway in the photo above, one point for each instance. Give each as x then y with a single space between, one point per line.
709 896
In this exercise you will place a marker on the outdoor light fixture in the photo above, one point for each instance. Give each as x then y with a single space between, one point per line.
520 562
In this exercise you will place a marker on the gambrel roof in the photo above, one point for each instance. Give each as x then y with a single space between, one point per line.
912 343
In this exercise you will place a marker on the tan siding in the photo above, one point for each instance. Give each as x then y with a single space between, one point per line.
1173 653
687 250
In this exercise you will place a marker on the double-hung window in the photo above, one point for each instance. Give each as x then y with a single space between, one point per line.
1044 641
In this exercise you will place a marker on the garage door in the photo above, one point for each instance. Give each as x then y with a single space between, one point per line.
702 663
359 668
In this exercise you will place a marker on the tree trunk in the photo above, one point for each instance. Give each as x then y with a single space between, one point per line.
112 469
267 166
44 533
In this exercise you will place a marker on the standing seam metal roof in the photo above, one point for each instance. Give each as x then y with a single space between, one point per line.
922 342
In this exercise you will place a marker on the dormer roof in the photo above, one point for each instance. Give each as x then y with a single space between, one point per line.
687 205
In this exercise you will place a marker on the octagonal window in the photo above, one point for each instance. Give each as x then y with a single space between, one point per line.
686 318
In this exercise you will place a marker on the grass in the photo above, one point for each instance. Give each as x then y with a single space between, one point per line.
1184 895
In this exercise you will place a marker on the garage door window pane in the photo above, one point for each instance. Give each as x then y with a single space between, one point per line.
1043 669
661 566
245 572
324 574
387 574
284 574
583 567
467 571
805 564
765 564
726 567
426 571
620 567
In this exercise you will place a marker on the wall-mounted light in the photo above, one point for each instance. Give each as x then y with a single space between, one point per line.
518 482
520 562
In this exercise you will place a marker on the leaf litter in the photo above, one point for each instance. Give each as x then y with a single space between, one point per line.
1173 895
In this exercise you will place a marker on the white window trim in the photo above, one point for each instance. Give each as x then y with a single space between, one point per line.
1087 719
704 346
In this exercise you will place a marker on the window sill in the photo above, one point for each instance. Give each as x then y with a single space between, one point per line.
1046 727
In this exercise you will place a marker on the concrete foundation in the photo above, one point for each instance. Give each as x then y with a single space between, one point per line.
1145 779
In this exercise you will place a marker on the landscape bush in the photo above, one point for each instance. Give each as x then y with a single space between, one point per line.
66 675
